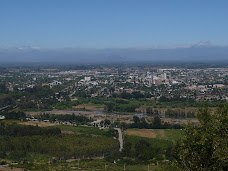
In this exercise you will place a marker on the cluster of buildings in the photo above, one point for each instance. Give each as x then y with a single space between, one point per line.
153 82
54 83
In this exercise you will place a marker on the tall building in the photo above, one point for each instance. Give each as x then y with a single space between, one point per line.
163 76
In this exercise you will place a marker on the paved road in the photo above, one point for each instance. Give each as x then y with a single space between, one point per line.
120 138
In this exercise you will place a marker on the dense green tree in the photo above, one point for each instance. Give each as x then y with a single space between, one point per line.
125 95
107 122
143 123
109 107
3 88
157 122
136 119
13 115
6 100
205 146
142 149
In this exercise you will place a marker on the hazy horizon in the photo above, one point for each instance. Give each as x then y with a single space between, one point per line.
194 53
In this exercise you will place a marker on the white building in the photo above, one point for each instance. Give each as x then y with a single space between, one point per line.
87 78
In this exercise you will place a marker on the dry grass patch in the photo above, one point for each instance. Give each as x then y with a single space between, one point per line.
41 124
148 133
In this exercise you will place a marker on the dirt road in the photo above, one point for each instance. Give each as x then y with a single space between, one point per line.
120 138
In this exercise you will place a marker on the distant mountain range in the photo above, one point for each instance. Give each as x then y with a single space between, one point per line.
202 52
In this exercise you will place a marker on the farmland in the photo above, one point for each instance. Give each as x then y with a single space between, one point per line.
164 134
160 138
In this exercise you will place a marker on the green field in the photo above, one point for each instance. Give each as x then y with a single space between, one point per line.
160 138
83 129
75 129
158 143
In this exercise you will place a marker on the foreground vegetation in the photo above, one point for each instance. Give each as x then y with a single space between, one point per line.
86 165
149 145
19 142
204 146
200 146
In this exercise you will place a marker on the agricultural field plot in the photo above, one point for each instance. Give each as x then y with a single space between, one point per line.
82 129
159 138
59 112
67 129
96 107
36 144
41 124
157 143
165 134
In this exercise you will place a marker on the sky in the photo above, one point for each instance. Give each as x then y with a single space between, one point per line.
112 23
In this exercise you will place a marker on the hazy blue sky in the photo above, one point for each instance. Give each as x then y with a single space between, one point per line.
112 23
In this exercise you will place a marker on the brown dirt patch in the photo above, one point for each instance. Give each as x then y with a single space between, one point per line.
162 133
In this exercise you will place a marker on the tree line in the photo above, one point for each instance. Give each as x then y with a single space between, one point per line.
13 115
78 119
18 130
179 114
141 123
